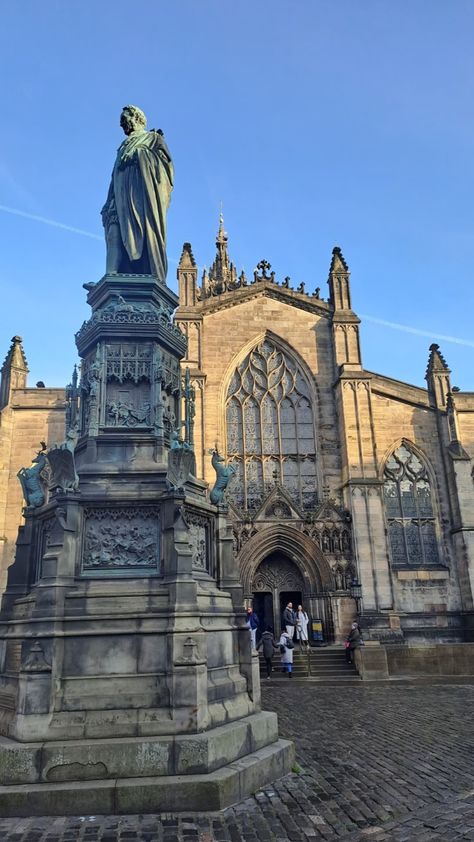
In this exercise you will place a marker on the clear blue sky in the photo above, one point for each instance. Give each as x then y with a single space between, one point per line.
315 122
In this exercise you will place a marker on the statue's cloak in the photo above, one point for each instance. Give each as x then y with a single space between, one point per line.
142 181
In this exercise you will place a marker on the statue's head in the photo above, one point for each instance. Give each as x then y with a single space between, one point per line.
132 118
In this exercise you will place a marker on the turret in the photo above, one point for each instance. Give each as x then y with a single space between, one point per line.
14 371
437 377
345 322
187 277
339 287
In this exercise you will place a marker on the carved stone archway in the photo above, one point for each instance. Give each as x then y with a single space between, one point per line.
281 558
277 576
292 543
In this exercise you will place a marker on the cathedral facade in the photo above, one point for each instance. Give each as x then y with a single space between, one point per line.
353 493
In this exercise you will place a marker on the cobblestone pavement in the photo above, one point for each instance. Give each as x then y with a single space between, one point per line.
376 763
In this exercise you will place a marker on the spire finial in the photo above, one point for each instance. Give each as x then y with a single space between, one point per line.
221 234
16 355
436 361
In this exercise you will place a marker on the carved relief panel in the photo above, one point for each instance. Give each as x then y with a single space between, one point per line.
130 385
121 540
128 405
199 527
128 393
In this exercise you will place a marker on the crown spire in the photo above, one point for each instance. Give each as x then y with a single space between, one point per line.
222 275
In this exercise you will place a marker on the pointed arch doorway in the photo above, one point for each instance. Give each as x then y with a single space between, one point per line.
281 564
277 581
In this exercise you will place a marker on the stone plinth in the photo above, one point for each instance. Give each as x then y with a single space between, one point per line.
215 768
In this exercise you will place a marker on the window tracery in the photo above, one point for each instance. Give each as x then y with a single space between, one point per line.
270 429
409 509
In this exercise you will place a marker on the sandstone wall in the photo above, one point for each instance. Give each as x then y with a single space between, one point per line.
404 412
33 415
224 338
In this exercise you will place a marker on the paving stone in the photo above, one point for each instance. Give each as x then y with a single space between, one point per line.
374 768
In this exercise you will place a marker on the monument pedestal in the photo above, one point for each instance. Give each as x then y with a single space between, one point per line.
127 681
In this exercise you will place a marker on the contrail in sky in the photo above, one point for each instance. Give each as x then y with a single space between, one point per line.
404 328
430 334
52 222
56 224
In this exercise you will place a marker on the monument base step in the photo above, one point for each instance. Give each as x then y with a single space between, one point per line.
135 757
175 793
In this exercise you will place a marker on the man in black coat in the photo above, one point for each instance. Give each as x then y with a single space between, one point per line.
289 620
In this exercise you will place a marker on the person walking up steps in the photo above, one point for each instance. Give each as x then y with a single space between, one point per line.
286 649
267 642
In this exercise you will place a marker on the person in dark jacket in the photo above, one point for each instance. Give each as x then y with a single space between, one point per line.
267 643
289 620
252 624
353 641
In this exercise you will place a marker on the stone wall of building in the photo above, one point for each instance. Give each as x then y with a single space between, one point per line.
30 417
405 414
228 334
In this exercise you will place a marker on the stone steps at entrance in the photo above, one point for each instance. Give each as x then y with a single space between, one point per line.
328 665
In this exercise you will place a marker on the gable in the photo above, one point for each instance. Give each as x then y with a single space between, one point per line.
273 292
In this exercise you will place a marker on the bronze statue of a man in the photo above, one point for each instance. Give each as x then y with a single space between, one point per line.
134 214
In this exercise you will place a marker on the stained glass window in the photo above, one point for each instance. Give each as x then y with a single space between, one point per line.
270 429
409 510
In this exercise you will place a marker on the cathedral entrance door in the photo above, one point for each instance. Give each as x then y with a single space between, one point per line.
263 607
276 582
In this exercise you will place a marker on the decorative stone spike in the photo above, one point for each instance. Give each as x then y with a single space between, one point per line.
14 371
437 377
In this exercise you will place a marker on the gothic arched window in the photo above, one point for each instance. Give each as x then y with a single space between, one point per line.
270 429
409 509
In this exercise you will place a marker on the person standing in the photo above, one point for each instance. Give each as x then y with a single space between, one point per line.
267 643
302 621
252 624
286 650
353 641
289 620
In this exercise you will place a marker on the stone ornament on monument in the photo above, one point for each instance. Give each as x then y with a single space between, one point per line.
127 681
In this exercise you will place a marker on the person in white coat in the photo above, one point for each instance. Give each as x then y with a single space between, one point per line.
286 653
302 621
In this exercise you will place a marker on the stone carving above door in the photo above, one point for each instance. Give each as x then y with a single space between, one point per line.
278 509
278 574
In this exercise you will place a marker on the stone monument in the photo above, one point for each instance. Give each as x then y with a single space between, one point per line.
127 681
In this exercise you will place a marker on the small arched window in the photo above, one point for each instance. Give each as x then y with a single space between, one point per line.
409 509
